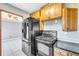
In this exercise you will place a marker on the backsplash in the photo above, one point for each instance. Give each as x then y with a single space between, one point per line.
64 36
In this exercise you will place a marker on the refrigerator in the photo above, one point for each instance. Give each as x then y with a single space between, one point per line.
29 27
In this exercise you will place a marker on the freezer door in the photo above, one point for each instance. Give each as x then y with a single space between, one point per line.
26 47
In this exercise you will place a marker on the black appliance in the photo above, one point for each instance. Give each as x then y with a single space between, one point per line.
29 28
45 43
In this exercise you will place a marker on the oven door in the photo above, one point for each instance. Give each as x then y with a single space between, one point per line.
26 47
44 50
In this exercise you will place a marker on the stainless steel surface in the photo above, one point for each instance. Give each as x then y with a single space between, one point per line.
26 47
45 43
30 25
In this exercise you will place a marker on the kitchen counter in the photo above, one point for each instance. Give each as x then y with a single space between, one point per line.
69 46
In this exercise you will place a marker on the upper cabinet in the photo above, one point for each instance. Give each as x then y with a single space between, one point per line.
58 9
36 15
49 11
52 11
44 13
69 19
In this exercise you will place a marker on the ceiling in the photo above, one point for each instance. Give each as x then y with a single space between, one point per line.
28 7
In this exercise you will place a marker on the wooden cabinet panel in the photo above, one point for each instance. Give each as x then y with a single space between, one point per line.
51 11
58 11
69 19
64 20
45 13
36 15
73 22
41 25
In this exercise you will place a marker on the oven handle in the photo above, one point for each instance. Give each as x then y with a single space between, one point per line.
26 41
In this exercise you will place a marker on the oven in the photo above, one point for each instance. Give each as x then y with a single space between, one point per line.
45 43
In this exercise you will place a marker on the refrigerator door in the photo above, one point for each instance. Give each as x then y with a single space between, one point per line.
25 30
26 47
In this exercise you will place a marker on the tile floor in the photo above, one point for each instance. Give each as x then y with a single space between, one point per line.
12 47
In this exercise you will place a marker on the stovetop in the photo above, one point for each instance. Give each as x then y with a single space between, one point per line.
46 40
50 39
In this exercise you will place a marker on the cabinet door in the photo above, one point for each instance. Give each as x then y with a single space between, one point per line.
58 9
52 11
36 15
68 24
55 10
41 25
73 20
44 14
69 19
64 19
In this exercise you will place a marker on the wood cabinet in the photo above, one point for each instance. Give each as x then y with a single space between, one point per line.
55 10
69 19
51 11
41 25
61 52
48 12
36 15
59 8
45 13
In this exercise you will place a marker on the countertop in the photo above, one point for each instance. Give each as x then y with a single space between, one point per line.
69 46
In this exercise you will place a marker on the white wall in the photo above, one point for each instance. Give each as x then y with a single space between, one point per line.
12 9
11 29
65 36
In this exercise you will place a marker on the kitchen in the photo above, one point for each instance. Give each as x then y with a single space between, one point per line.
58 18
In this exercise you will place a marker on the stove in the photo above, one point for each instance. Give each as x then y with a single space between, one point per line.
45 43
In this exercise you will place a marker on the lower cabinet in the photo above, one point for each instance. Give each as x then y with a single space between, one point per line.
61 52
